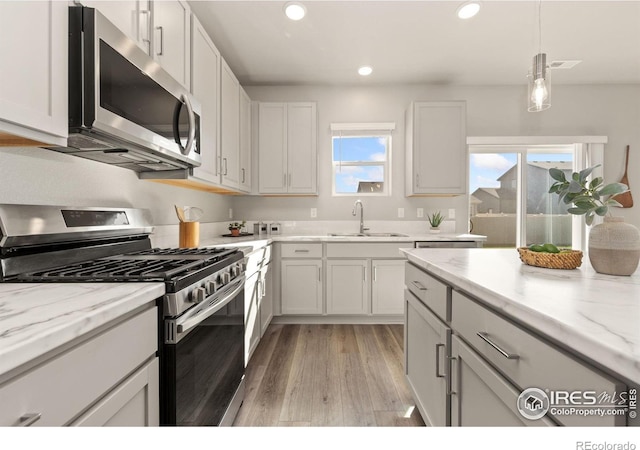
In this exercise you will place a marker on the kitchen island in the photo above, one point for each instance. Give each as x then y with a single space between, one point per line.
538 327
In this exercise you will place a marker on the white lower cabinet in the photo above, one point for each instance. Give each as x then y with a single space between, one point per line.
387 286
266 302
347 287
476 377
301 286
131 404
426 344
108 379
251 315
481 396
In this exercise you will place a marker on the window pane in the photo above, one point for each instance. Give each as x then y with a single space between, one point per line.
547 220
355 179
369 148
493 200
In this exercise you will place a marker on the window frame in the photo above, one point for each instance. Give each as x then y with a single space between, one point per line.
587 151
364 132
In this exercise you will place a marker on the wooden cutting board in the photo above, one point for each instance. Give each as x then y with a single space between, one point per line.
625 199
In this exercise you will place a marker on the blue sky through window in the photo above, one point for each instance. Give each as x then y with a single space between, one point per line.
486 168
348 151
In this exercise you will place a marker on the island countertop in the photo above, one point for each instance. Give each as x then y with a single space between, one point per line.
594 315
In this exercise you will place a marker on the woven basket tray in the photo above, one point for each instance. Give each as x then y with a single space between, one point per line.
564 260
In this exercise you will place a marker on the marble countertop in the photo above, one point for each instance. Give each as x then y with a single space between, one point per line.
261 240
595 315
36 318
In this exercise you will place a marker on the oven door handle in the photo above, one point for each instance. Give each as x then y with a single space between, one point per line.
187 322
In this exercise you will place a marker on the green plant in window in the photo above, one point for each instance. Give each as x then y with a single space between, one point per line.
589 198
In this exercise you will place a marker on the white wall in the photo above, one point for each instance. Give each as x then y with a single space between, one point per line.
39 176
613 111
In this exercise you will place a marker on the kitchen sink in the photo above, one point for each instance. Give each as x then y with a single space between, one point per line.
368 234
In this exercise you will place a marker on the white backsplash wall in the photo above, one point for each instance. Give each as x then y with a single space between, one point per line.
607 110
39 176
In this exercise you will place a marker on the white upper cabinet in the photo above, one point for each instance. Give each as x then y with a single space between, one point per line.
287 148
205 86
436 148
230 127
245 141
130 16
33 78
171 38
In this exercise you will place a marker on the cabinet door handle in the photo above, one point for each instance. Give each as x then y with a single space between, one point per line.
375 274
289 182
29 419
419 286
364 274
243 175
160 49
485 337
264 288
417 180
320 274
438 347
451 391
299 250
224 162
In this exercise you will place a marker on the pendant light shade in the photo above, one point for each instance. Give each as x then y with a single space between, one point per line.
539 80
539 84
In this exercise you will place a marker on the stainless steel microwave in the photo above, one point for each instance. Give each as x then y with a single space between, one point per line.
124 108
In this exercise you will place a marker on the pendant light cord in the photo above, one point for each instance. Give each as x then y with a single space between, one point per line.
540 26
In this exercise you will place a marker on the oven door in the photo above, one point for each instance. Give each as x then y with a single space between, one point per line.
202 377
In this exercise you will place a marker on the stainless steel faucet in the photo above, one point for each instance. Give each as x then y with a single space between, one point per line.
355 207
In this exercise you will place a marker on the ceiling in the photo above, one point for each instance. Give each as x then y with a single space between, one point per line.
423 41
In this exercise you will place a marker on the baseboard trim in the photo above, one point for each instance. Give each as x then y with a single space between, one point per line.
338 320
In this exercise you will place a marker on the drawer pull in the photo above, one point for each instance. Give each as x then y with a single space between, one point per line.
438 347
29 419
452 360
419 285
301 251
485 337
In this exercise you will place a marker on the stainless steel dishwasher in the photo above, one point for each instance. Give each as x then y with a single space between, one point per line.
448 244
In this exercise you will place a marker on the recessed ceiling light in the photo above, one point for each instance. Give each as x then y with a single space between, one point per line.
295 11
365 70
468 10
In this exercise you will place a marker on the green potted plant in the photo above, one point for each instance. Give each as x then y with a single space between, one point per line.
435 220
614 246
236 227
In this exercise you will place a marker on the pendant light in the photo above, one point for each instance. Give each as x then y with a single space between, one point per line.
539 80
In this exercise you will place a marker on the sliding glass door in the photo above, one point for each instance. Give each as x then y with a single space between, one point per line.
509 201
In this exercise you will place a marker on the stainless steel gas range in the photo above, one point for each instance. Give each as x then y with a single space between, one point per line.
201 318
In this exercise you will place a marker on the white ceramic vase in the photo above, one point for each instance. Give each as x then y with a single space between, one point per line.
434 230
614 247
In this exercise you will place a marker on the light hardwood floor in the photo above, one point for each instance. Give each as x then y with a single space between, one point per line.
328 375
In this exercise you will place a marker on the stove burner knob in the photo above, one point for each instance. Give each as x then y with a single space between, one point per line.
233 271
226 278
198 295
211 287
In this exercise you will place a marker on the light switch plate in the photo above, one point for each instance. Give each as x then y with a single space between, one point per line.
314 212
420 213
400 213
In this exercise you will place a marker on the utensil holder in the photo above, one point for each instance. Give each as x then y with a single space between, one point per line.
189 234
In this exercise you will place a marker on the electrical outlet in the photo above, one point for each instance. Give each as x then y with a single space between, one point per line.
314 212
452 213
400 213
420 213
230 213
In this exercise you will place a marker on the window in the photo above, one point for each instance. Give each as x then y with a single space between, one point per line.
361 155
509 200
